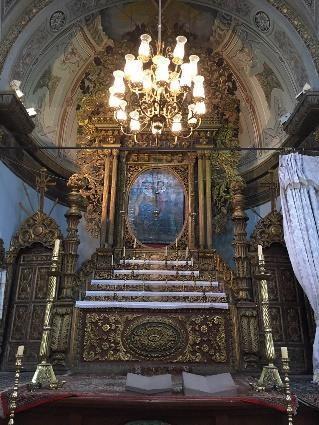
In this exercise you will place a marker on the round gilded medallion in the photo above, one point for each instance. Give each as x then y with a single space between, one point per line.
37 230
154 338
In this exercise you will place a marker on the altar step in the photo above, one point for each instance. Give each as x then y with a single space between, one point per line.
150 296
194 285
154 284
156 272
158 305
165 263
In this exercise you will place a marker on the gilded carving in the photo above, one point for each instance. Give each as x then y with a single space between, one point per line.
177 338
25 283
60 332
250 331
38 228
154 338
268 230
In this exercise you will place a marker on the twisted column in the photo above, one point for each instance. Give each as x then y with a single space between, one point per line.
191 206
113 196
209 219
105 199
201 199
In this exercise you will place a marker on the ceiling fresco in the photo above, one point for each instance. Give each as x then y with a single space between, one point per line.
59 39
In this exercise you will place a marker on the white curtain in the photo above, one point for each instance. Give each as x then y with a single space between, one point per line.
299 192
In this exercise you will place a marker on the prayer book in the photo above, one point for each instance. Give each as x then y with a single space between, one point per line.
148 384
222 384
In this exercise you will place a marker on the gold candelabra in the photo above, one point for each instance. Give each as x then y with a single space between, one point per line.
269 377
44 375
14 395
285 368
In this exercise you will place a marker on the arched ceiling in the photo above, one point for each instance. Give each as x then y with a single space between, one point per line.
270 45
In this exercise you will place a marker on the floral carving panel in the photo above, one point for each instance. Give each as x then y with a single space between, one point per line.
200 338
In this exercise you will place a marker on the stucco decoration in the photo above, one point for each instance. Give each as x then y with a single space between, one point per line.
57 20
262 21
51 61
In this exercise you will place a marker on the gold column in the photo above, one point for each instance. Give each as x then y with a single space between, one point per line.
191 206
201 199
62 320
240 242
113 196
105 199
209 223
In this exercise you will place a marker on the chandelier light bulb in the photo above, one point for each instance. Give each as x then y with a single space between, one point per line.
193 60
191 119
175 86
177 124
162 72
147 80
135 124
137 72
179 51
198 90
121 115
144 51
186 77
119 85
200 108
114 101
128 70
123 104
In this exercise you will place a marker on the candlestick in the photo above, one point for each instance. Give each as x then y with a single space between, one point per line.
44 375
124 251
20 350
14 395
285 368
134 243
260 252
166 252
284 353
187 252
112 261
269 377
176 243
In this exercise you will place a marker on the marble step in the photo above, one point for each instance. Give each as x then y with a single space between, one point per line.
154 283
154 294
157 272
158 305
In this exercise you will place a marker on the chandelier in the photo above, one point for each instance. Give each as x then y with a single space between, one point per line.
158 91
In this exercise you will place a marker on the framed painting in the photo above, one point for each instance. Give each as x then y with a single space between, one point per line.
156 207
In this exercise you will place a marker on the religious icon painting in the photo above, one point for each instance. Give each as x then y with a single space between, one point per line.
156 207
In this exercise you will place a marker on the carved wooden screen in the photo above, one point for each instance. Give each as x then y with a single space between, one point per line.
288 309
26 306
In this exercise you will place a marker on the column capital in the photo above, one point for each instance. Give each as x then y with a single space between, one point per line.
115 153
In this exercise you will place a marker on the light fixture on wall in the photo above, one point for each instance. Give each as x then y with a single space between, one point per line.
31 112
15 86
158 92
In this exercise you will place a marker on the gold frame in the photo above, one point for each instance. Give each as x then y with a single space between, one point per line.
129 185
